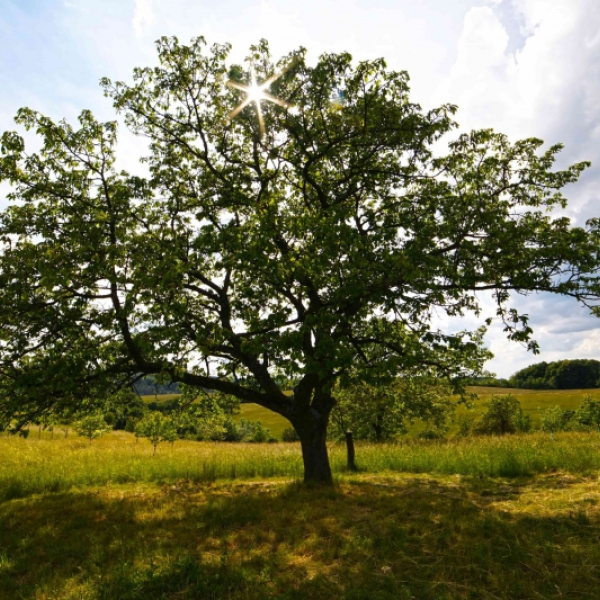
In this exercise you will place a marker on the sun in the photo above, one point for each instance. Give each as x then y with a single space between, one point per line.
256 93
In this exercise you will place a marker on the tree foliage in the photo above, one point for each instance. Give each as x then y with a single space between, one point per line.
588 412
503 415
240 261
382 412
157 428
91 425
556 418
560 375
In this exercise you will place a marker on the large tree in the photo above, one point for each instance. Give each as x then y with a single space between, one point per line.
314 247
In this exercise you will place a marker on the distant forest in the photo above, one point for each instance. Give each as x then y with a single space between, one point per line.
148 386
558 375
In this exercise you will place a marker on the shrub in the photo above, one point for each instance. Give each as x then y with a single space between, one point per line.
556 418
290 435
522 421
465 425
232 431
501 417
430 434
588 413
253 431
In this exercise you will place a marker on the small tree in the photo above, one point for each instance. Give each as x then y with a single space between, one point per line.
157 428
501 416
381 411
465 425
290 435
555 418
588 412
91 426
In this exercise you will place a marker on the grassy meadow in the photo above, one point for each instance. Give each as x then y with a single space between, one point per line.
534 400
490 517
477 518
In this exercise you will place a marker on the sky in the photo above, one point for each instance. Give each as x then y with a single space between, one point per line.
527 68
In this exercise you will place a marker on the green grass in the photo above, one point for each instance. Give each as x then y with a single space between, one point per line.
159 397
272 421
35 466
393 537
533 400
481 518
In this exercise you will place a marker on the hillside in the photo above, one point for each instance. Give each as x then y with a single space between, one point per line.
531 402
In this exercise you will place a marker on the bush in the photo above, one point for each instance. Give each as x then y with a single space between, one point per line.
465 425
557 418
588 413
232 431
211 428
290 435
430 434
501 417
522 421
253 431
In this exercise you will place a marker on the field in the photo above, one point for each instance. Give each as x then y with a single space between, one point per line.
531 402
481 518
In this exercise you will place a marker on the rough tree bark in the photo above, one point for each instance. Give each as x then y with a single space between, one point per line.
310 423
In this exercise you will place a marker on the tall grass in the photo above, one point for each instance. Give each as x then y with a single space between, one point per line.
495 456
40 465
29 466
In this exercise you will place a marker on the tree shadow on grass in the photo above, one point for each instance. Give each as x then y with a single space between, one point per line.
410 538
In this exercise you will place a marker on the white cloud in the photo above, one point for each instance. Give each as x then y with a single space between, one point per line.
548 86
143 17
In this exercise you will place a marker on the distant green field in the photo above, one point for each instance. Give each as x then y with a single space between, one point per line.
532 401
252 412
159 397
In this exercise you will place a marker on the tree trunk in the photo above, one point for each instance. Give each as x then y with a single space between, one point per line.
316 461
351 454
312 430
378 429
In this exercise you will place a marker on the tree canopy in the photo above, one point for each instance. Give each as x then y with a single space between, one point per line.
560 375
318 251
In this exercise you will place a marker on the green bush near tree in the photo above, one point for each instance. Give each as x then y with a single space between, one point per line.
503 415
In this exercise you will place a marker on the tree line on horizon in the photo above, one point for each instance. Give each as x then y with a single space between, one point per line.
580 373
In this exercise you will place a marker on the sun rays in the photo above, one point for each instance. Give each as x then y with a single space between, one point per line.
256 93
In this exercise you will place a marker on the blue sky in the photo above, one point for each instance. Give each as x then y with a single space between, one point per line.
524 67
